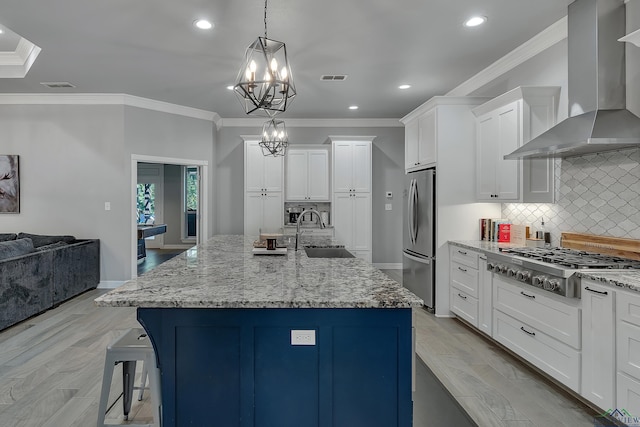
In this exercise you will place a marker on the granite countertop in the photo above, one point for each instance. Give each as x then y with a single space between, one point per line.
626 279
224 273
483 245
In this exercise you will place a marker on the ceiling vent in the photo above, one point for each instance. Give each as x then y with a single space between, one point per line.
57 85
333 77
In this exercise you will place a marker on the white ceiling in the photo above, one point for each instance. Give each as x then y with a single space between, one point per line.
149 48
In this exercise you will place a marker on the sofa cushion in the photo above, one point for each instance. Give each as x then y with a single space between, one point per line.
7 236
43 239
14 248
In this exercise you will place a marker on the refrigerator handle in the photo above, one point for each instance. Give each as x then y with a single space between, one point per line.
410 212
415 258
415 211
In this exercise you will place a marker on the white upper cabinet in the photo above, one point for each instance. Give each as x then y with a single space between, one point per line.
307 175
420 141
262 173
504 124
352 166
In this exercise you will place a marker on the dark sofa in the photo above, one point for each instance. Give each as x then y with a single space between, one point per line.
39 272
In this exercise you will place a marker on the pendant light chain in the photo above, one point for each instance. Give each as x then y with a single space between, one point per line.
265 19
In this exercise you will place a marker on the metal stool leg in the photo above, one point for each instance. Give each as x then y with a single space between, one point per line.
128 377
143 380
106 386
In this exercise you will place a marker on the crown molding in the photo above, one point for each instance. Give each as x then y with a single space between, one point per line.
309 123
443 100
107 99
545 39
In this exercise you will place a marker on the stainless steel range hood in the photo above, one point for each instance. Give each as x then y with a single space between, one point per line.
598 120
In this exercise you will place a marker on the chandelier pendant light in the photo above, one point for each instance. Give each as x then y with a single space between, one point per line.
265 83
274 138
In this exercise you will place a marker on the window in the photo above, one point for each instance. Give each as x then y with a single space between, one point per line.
146 203
191 193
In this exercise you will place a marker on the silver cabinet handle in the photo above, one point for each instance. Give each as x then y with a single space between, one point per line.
533 334
528 296
596 292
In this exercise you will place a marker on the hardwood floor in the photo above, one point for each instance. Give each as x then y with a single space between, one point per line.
51 372
155 257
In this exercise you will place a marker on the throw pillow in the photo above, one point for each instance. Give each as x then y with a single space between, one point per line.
14 248
51 246
43 239
7 236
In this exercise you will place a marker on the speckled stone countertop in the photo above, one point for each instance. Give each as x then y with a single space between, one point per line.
625 279
483 245
224 273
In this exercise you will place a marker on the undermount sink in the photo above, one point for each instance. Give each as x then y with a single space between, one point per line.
328 253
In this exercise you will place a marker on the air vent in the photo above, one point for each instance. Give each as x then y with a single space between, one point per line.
56 85
333 77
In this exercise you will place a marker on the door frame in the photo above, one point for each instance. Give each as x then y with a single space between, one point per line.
203 215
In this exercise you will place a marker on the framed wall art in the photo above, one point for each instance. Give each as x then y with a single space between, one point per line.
9 184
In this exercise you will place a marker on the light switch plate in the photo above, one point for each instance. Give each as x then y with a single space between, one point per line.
389 194
303 337
107 206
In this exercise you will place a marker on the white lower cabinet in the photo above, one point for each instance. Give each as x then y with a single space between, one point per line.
464 306
628 351
540 328
352 222
263 211
485 299
463 283
598 344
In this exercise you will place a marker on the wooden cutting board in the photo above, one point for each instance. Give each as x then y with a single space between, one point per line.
617 246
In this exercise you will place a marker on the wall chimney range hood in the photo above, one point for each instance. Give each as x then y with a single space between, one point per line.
598 120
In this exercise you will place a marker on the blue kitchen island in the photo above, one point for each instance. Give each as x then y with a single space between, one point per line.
259 340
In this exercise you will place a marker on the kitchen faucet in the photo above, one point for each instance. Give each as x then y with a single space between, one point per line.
310 211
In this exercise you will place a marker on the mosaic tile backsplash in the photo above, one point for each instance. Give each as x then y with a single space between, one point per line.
595 194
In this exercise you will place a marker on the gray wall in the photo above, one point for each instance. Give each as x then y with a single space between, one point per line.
173 204
388 175
74 158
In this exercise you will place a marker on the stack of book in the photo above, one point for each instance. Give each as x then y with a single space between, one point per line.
502 230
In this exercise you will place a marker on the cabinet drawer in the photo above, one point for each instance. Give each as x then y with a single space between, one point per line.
628 349
464 306
463 256
556 319
628 307
465 278
628 393
550 355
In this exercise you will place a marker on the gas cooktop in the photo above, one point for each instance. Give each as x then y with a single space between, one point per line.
573 259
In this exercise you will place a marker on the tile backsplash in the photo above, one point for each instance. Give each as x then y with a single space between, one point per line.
595 194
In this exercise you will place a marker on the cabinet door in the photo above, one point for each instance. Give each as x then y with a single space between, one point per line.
343 218
254 168
297 175
273 168
486 158
428 135
272 212
318 175
342 167
509 139
361 221
253 213
411 137
485 300
598 367
361 167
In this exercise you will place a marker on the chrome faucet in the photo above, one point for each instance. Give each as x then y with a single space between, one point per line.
310 211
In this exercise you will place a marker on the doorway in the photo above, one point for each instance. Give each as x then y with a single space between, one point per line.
171 192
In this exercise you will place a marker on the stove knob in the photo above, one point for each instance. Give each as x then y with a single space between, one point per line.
523 276
491 266
551 284
538 281
511 272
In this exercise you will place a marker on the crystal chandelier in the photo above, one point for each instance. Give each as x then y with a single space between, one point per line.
274 138
264 84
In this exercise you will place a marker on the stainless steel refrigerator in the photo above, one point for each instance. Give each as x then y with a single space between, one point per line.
418 260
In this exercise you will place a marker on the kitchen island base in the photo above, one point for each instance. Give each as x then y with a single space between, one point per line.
238 367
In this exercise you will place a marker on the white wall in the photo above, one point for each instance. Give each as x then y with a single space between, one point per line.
388 175
74 158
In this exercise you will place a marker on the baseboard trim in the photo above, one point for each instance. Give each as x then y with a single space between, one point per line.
178 246
110 284
388 265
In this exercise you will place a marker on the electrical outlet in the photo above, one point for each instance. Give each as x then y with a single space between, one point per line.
388 207
303 337
107 206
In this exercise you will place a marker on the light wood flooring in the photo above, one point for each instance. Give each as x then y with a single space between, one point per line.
51 372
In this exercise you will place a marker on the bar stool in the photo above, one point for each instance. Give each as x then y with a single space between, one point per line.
130 347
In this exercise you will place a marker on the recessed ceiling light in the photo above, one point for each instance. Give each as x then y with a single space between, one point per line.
203 24
475 21
1 31
404 87
353 107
